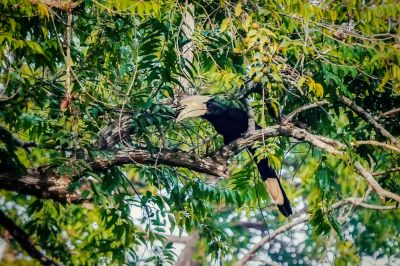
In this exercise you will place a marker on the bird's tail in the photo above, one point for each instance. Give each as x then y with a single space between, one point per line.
273 185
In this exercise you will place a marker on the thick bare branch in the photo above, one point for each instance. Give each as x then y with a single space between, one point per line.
369 118
24 241
41 185
289 130
50 185
213 166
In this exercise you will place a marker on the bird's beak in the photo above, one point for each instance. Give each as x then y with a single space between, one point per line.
193 106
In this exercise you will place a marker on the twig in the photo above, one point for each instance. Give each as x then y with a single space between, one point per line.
270 237
369 118
390 113
355 201
383 193
304 108
392 170
59 4
17 142
250 115
377 143
24 241
68 59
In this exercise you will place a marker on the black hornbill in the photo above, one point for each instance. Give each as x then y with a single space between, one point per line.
231 123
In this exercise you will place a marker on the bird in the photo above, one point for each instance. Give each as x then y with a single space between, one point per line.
231 123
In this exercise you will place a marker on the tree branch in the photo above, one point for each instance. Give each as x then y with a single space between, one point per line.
379 144
392 170
115 132
268 238
59 4
290 117
390 113
374 184
24 241
250 115
369 118
324 143
41 185
284 228
55 187
17 142
50 185
214 166
186 256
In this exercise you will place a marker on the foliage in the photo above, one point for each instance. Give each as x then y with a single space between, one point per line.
128 58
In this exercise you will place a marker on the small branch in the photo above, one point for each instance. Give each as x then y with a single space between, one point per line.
359 202
290 117
24 241
177 239
390 113
58 4
250 115
379 144
268 238
284 228
369 118
253 225
68 60
17 142
374 184
392 170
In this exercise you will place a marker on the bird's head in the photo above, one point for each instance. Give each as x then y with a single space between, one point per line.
203 106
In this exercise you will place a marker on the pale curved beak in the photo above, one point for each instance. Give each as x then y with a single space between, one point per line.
193 106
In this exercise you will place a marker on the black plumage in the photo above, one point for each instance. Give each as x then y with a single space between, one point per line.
231 123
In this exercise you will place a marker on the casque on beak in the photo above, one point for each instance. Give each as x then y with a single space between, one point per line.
193 106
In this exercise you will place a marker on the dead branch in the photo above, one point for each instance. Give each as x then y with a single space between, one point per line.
268 238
